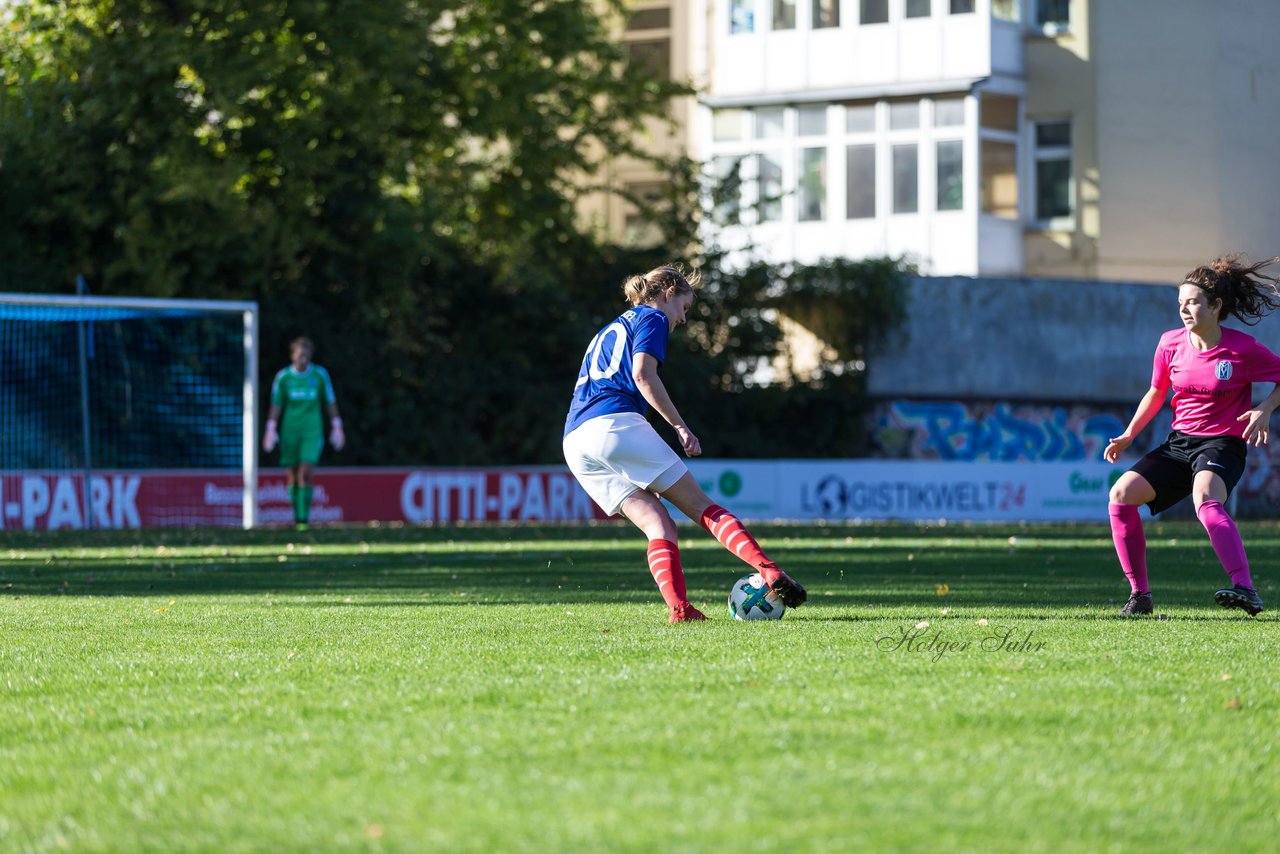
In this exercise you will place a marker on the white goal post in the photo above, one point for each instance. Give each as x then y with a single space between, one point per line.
112 404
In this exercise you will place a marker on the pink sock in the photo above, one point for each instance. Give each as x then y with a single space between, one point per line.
1226 541
1131 544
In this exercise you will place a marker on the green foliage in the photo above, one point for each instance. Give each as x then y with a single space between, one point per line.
850 305
733 332
398 181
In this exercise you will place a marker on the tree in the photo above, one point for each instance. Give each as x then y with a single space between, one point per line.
383 177
394 179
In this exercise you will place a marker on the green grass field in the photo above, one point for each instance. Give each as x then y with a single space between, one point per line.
512 689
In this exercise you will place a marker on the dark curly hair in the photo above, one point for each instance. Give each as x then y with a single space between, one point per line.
1245 291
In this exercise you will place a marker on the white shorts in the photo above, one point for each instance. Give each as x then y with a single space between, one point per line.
615 456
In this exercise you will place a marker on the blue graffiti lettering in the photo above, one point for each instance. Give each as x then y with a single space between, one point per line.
951 430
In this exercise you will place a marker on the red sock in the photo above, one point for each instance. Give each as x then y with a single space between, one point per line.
727 528
664 564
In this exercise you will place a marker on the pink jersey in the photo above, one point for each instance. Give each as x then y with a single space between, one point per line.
1214 387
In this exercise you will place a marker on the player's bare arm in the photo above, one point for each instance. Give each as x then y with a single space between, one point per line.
644 369
1150 404
1258 420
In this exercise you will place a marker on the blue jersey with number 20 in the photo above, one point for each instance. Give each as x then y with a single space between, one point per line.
605 385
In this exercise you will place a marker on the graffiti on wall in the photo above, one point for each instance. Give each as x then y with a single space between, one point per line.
1002 431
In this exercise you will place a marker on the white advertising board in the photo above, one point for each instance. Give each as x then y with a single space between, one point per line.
908 490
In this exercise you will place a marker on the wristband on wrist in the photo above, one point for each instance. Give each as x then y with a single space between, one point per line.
335 422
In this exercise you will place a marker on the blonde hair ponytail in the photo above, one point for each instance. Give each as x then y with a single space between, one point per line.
648 287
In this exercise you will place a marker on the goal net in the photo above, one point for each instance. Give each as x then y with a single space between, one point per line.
122 412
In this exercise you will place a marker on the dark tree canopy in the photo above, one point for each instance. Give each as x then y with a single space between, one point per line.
395 179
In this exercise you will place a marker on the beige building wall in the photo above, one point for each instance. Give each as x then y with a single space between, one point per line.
1175 111
1188 133
611 213
1062 84
1175 114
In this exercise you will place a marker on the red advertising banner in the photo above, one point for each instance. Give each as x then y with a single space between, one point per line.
147 499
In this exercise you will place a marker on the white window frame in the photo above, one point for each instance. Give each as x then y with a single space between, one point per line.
898 11
890 12
777 149
798 15
876 140
1051 29
805 19
1055 153
757 18
786 151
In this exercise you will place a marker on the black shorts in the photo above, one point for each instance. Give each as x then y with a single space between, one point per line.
1171 467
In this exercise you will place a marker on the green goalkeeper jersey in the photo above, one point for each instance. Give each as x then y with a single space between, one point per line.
302 398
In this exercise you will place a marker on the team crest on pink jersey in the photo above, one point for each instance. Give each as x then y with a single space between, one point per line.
1224 370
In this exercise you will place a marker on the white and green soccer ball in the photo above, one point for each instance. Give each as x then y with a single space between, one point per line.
751 599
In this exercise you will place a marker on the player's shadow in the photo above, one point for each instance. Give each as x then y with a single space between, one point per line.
891 570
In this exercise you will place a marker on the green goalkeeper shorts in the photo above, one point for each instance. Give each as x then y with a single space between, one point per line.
300 448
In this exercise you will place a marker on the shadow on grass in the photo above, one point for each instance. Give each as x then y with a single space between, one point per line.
1061 566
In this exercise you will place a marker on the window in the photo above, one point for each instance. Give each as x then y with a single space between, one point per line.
999 112
742 16
784 14
906 179
812 186
860 181
826 13
650 19
948 112
1006 10
727 192
961 7
1053 16
1053 170
812 121
919 8
951 175
875 12
769 122
1000 178
654 55
904 115
726 125
649 195
860 118
768 188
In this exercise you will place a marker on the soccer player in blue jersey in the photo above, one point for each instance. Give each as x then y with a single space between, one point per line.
298 393
621 461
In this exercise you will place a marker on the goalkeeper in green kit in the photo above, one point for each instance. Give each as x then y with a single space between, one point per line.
299 393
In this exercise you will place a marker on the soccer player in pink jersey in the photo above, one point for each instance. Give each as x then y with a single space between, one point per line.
1211 370
622 462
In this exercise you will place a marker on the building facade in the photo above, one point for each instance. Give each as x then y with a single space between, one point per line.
1057 138
658 33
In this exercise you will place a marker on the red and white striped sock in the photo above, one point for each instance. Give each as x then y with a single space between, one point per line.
731 533
664 565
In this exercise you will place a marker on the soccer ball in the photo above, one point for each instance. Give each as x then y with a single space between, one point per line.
751 599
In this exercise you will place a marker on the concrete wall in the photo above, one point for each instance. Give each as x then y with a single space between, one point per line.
1031 340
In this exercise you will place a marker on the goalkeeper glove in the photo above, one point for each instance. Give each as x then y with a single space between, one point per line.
336 437
270 438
